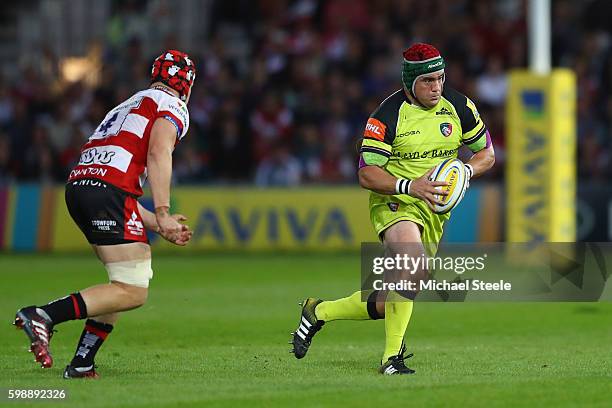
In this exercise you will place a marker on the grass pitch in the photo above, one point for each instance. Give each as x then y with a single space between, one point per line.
215 330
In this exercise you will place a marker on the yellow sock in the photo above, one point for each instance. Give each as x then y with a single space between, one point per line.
348 308
397 316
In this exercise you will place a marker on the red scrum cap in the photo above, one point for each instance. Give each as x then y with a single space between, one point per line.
420 59
176 70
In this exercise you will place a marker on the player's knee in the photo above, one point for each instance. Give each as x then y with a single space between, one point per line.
137 295
133 296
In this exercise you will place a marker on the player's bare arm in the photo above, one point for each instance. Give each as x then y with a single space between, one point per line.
159 165
379 180
148 219
482 161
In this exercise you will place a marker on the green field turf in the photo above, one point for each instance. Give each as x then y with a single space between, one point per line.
215 333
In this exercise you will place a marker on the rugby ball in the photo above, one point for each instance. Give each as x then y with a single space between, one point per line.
453 172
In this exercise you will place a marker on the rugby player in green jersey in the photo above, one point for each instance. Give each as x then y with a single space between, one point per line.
413 130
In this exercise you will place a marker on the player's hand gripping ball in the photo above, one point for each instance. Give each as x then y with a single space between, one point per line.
455 174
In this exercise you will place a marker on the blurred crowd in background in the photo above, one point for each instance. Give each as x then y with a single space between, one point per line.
284 88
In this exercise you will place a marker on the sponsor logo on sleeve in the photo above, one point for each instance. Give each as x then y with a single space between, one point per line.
375 129
179 112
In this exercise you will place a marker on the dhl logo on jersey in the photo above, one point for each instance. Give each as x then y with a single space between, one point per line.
375 129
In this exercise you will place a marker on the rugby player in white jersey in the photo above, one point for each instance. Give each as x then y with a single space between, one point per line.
134 141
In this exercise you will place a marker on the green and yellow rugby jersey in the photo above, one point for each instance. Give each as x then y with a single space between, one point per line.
408 140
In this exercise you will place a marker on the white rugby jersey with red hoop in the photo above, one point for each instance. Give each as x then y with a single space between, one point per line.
117 151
